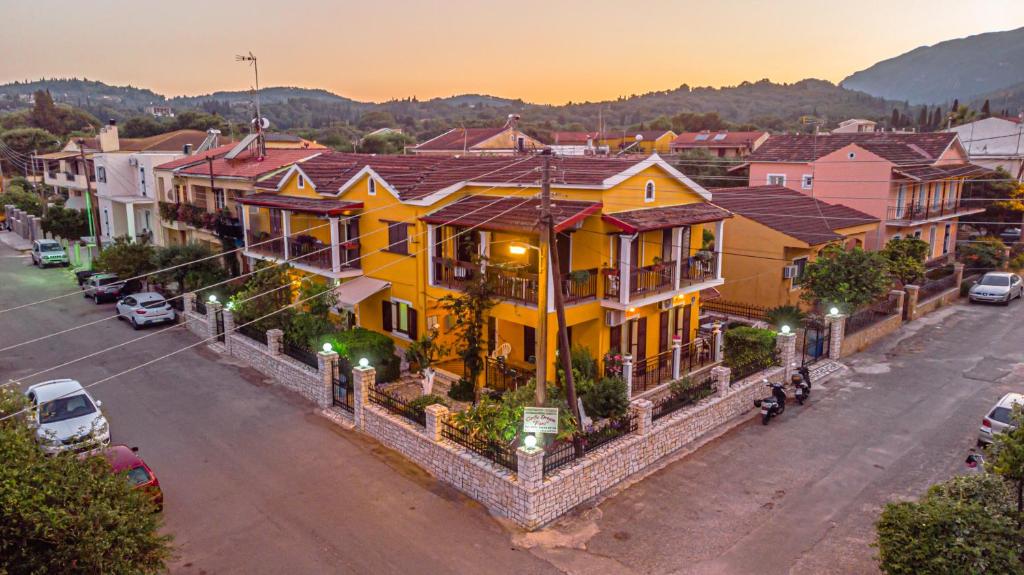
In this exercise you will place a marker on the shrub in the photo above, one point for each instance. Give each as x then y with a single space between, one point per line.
584 366
906 259
790 315
462 390
745 346
378 348
502 420
965 286
983 254
1017 263
850 279
607 398
419 405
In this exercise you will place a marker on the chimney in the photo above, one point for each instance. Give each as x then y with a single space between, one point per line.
187 149
108 140
513 121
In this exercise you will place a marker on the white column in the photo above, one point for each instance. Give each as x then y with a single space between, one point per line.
484 249
245 226
286 227
677 357
431 240
335 247
625 255
627 374
719 246
717 343
677 254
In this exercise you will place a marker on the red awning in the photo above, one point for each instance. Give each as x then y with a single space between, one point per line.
326 207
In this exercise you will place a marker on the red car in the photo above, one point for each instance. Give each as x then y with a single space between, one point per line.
124 460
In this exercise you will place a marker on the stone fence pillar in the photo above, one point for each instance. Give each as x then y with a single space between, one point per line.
212 309
229 326
642 410
188 301
837 329
364 377
722 376
717 342
900 297
627 374
786 343
910 302
274 337
436 414
530 467
958 271
325 366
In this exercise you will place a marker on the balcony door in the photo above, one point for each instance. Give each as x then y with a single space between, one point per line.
563 243
637 333
682 327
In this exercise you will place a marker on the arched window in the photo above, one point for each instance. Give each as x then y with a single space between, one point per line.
649 191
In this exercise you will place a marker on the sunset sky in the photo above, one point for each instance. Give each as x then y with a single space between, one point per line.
542 51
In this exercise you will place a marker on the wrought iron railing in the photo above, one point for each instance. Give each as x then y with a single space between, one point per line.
253 332
562 453
396 405
341 387
912 212
656 370
749 368
499 453
870 315
300 353
735 308
501 376
930 289
691 392
266 244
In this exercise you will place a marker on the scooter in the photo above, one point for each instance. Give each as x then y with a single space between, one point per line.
801 385
773 405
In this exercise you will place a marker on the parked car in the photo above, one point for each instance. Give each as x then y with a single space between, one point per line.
49 253
1010 235
66 417
999 418
83 276
144 308
125 460
103 287
998 287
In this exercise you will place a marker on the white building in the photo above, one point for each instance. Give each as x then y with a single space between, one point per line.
995 142
126 187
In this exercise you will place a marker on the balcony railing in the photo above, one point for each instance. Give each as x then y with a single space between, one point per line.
650 279
309 251
918 212
580 285
514 285
266 244
696 270
660 277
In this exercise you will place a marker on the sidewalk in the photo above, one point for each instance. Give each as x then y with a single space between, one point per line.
14 241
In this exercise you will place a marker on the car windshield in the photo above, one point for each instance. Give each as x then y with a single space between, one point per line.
106 281
65 408
995 281
49 247
1002 414
137 476
153 304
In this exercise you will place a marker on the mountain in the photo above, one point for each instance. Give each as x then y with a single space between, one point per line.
84 93
1009 99
267 95
963 68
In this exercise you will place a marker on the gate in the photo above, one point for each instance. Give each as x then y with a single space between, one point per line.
341 388
816 340
220 325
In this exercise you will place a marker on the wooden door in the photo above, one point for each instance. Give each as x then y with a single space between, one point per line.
562 242
640 346
683 323
529 344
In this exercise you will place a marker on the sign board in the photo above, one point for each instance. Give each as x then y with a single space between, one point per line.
540 419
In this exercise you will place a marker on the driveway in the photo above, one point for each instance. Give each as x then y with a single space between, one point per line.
801 495
255 481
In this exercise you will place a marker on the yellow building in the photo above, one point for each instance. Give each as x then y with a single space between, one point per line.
398 233
642 142
773 234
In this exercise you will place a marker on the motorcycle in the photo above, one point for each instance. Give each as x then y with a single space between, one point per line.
772 405
801 385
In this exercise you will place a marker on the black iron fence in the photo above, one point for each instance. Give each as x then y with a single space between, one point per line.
814 339
341 387
562 453
300 353
397 405
219 325
686 393
500 376
747 369
499 453
930 289
735 308
200 306
253 332
870 315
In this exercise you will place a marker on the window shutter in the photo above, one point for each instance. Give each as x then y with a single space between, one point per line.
413 328
385 315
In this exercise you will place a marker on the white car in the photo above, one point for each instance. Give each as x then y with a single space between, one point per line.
66 417
144 308
999 418
49 253
999 287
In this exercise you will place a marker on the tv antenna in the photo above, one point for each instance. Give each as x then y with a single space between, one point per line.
251 58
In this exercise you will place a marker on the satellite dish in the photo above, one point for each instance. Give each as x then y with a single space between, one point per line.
264 122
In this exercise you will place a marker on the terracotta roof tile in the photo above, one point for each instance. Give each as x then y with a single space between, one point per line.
167 142
666 217
509 213
790 212
921 173
460 138
247 165
310 205
899 148
727 140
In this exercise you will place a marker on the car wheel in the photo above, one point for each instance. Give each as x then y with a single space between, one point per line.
96 299
135 324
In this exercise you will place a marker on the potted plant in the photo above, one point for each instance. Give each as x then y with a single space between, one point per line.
422 354
580 276
658 264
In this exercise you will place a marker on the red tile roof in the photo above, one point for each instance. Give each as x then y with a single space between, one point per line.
509 213
460 138
790 212
309 205
166 142
572 138
248 166
729 139
196 158
665 217
922 173
415 177
897 147
649 135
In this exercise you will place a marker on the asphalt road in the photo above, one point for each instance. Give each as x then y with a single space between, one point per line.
254 481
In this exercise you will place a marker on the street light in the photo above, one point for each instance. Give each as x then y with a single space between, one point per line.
785 330
519 248
363 362
530 441
213 298
328 348
834 311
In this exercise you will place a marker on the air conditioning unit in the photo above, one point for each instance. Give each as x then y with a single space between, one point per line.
664 305
133 162
790 272
612 318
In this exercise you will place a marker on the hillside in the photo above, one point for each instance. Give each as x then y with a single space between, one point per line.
963 68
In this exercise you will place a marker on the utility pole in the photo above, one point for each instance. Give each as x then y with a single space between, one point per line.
42 188
94 213
541 354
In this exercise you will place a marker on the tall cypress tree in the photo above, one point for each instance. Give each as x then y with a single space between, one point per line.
922 119
894 121
985 110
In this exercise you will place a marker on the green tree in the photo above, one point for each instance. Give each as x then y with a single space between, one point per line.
906 259
790 315
190 266
1007 458
63 514
30 140
850 279
313 318
45 114
983 254
389 143
65 223
142 127
470 312
267 291
126 258
376 119
961 527
22 199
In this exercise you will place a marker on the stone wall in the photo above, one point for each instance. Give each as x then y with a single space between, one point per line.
941 300
856 342
292 374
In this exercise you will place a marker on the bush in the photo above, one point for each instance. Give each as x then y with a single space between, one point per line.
502 420
584 366
607 398
462 390
378 348
790 315
983 254
1017 263
965 286
22 199
745 346
419 405
906 259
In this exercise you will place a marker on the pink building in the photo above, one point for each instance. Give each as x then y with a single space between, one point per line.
912 182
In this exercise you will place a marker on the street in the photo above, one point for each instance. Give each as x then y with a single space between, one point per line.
256 482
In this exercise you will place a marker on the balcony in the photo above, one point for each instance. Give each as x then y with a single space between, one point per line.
908 213
514 285
660 277
265 244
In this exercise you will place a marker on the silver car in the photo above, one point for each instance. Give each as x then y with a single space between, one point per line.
144 308
102 287
49 253
66 417
997 287
1000 418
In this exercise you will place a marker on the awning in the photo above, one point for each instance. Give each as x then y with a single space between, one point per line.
130 199
666 217
352 292
512 214
709 294
75 203
327 207
940 172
